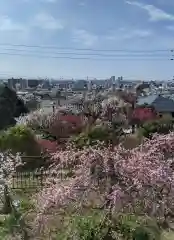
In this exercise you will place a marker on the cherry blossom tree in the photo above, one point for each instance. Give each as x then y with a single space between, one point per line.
8 165
63 123
55 124
138 181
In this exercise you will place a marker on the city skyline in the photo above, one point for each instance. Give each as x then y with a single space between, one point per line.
83 78
87 78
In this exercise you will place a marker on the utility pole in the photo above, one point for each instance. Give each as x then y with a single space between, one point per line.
172 57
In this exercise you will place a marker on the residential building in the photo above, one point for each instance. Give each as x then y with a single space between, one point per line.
66 84
80 85
46 84
89 85
18 83
63 84
33 83
164 106
23 84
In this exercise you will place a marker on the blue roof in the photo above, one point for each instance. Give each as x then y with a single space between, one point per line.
147 100
160 103
164 104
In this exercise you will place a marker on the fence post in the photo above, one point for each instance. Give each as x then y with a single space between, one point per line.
41 177
7 209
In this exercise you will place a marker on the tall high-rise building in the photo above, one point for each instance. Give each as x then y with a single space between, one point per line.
12 83
113 79
23 83
33 83
19 82
89 85
118 81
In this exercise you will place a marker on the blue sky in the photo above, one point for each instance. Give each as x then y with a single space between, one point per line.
139 25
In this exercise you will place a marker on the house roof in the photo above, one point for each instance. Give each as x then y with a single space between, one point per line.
147 100
160 103
163 104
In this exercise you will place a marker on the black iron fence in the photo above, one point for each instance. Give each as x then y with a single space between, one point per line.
37 179
23 180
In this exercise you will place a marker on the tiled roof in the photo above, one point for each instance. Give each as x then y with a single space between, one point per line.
147 100
160 103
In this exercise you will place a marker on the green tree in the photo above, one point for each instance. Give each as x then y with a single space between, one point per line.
109 133
32 104
10 106
161 126
19 139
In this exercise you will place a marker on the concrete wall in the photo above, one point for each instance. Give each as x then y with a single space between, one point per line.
166 115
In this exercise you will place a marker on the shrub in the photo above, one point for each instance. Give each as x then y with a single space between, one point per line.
84 228
92 137
131 141
109 133
98 226
66 125
143 114
19 139
32 104
137 228
161 126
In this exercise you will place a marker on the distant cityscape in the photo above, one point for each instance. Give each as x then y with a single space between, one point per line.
48 93
21 84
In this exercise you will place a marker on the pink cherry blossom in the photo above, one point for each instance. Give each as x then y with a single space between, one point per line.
140 180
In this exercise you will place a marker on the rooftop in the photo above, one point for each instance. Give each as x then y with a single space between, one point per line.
160 103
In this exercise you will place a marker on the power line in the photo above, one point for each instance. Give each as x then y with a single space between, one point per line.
87 54
84 58
85 49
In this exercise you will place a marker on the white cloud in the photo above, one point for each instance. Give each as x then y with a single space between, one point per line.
6 24
46 21
137 33
84 37
124 33
155 13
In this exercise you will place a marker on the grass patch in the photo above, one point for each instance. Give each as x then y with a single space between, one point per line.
167 235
